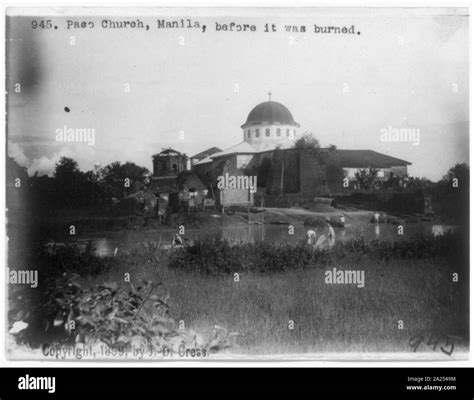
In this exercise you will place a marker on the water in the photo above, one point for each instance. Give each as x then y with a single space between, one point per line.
106 243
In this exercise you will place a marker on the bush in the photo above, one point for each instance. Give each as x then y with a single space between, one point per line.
217 255
73 259
123 319
109 314
321 222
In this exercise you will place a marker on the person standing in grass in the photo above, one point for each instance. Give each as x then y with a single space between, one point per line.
342 220
311 237
176 240
377 217
331 235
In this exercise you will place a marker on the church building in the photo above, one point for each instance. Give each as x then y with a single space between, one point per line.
268 150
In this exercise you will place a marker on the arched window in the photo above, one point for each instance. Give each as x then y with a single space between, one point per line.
257 133
287 132
278 132
248 134
267 132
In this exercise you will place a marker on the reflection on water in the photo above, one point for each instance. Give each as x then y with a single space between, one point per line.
106 244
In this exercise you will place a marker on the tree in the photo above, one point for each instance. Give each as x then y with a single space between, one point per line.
69 183
457 178
451 194
308 142
65 168
70 187
17 183
366 178
117 175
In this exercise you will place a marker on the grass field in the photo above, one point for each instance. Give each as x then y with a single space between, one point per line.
280 303
327 318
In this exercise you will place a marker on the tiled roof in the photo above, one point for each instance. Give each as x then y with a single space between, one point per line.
206 153
348 158
368 158
242 148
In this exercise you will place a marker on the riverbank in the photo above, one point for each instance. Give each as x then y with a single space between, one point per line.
58 226
275 225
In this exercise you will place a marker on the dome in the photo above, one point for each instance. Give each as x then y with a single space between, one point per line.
270 112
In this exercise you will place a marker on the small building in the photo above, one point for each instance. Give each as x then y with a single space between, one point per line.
167 165
191 189
182 187
388 167
162 186
169 162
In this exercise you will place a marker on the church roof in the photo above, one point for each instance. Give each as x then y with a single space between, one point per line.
368 158
203 161
348 158
240 148
270 112
206 153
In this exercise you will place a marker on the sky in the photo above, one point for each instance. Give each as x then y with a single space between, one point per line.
145 90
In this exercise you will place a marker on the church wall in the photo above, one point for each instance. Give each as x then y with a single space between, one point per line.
273 133
203 170
233 197
288 163
312 175
258 158
243 160
228 197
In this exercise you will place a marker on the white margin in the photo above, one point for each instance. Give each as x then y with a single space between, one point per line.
209 363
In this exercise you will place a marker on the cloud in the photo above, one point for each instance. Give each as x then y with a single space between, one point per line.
43 165
42 159
17 153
